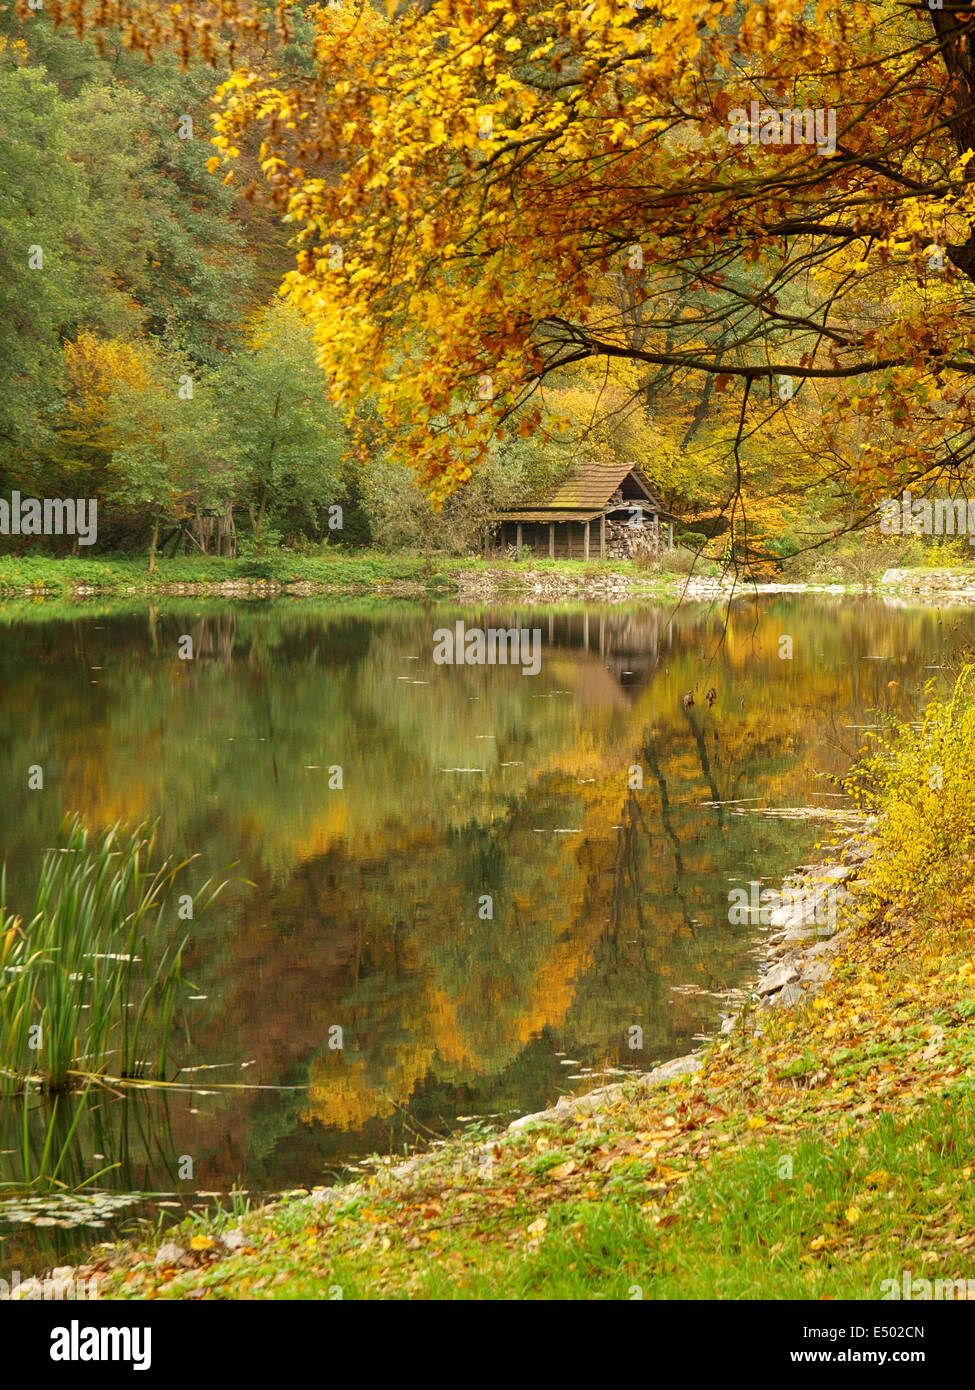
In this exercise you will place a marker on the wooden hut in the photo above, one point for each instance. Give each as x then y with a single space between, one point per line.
604 510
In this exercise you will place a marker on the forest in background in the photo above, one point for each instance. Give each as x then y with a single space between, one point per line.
153 364
150 361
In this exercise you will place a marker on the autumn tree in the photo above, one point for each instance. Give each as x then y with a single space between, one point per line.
87 426
463 180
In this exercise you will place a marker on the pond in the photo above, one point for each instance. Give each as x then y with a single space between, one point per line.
453 900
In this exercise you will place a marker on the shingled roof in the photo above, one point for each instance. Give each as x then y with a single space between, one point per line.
585 493
590 485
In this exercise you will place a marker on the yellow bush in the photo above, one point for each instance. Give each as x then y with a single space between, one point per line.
919 782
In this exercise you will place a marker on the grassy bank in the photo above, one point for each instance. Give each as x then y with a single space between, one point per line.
379 573
819 1152
351 572
344 572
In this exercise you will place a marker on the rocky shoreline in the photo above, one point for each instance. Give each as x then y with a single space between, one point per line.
799 958
529 586
950 585
552 586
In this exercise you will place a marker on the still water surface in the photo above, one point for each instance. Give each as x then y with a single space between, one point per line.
365 908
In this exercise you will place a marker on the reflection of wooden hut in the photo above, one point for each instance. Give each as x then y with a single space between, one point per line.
617 653
604 510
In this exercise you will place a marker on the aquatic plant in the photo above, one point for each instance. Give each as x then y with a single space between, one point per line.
90 985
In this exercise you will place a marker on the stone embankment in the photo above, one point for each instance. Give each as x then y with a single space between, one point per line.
809 934
956 586
799 956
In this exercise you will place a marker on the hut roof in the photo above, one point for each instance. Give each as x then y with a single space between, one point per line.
586 493
593 484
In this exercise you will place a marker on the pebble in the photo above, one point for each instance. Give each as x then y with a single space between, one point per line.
169 1254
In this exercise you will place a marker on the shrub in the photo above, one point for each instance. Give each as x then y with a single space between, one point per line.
679 561
947 553
918 780
692 540
859 558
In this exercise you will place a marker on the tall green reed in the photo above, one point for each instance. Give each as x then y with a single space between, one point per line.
90 985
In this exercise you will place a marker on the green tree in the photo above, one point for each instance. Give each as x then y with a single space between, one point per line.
289 438
42 209
175 463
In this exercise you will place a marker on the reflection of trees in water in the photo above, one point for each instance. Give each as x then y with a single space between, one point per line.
434 992
214 638
364 913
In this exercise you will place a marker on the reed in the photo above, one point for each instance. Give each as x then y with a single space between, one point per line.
89 986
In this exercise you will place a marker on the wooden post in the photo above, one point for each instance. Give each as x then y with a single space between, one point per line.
670 535
518 541
568 539
551 540
602 537
585 546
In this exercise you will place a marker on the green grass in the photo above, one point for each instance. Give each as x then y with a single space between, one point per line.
119 574
853 1213
337 571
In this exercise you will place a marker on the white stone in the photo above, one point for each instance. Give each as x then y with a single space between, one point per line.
777 979
169 1254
